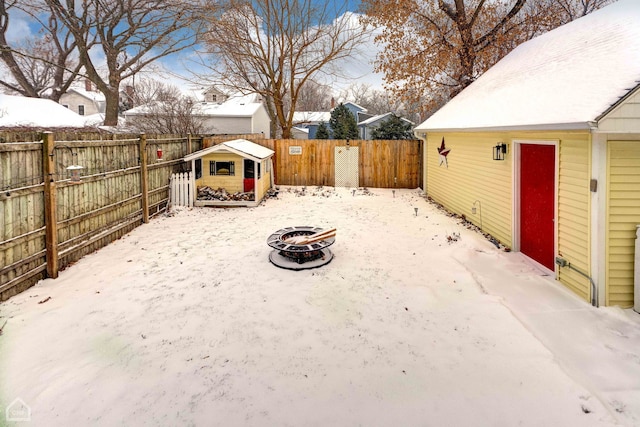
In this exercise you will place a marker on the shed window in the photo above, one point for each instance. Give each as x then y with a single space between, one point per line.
81 110
198 168
222 168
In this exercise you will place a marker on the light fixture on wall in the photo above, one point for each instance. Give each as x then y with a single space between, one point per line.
499 151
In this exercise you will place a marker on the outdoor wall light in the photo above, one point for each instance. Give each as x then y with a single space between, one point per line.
499 151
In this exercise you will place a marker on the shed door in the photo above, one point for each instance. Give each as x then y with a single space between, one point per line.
537 207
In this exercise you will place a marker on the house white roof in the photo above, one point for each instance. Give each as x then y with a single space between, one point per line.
226 109
379 117
21 111
563 79
208 109
311 117
96 96
241 147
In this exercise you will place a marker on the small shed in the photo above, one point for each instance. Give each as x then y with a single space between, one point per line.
543 152
237 166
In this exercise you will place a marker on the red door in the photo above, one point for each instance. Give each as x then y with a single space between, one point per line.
537 196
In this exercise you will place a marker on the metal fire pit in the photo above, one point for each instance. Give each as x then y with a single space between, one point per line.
299 257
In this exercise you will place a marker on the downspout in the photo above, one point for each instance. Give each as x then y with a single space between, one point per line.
423 137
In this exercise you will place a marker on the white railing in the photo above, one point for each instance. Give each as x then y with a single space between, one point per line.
181 189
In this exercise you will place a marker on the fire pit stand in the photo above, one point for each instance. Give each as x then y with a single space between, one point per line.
299 256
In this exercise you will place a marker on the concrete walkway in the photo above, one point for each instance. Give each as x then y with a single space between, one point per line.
598 347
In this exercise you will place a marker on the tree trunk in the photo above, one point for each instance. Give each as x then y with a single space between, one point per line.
112 98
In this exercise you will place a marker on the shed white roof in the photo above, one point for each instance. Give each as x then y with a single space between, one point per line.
565 78
22 111
241 147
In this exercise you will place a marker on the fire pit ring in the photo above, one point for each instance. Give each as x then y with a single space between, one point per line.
299 256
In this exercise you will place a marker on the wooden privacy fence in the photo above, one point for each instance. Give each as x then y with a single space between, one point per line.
380 164
49 220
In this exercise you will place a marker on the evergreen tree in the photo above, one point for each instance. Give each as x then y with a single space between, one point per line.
343 123
393 128
322 132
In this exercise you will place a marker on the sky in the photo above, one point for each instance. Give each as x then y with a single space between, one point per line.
178 69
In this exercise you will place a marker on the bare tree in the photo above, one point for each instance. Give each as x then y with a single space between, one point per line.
275 47
41 66
131 34
314 97
434 49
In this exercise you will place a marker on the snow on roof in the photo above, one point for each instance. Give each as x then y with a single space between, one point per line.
311 117
22 111
380 117
93 95
226 109
242 147
566 77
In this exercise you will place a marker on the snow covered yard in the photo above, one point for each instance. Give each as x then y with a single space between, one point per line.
185 322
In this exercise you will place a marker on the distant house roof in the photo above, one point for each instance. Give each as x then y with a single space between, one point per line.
35 112
380 117
311 117
563 79
230 108
92 95
241 147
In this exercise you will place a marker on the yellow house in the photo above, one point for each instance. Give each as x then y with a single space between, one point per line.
543 153
235 166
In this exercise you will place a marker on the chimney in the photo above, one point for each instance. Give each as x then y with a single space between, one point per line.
87 85
333 103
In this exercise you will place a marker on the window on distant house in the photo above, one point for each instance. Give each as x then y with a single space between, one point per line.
81 110
222 168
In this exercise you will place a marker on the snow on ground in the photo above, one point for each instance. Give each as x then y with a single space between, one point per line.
185 322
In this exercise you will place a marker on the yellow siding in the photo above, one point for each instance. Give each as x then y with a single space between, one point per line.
573 212
230 183
623 214
472 175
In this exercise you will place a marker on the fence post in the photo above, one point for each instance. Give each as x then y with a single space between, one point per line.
50 215
144 178
189 144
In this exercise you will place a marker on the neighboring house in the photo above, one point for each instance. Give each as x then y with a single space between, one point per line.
236 166
237 115
367 126
310 120
85 101
563 112
17 111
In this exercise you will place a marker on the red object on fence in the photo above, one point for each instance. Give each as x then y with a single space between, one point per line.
159 153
